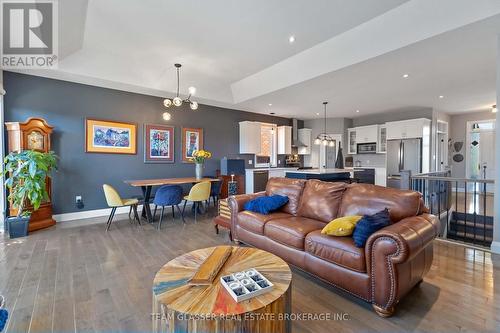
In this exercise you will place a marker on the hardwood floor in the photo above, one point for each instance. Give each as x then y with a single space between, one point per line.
76 277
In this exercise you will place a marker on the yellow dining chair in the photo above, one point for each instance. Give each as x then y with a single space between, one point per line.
114 201
198 194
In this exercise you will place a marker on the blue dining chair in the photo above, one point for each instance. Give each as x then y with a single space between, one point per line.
215 190
168 195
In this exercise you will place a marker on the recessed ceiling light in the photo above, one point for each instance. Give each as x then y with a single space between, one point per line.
317 113
270 104
291 39
441 96
406 76
357 111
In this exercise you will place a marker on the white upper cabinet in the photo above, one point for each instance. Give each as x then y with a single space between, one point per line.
351 141
285 140
406 129
367 134
250 138
382 139
305 136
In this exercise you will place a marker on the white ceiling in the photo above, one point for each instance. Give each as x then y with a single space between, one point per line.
350 52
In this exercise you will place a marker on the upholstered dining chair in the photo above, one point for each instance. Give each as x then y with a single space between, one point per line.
215 189
168 195
199 193
114 201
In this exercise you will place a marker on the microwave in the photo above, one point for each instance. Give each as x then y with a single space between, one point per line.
262 161
367 148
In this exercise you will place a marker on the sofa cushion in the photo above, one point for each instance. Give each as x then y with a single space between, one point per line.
337 250
291 188
366 199
291 231
266 204
342 226
368 225
254 222
321 200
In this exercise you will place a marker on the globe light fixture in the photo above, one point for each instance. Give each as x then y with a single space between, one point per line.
324 138
177 100
167 116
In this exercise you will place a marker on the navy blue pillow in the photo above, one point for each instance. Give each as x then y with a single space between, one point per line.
368 225
265 205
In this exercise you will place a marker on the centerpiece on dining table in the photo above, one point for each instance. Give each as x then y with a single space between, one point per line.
199 157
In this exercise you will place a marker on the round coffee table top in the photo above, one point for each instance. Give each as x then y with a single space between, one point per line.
171 288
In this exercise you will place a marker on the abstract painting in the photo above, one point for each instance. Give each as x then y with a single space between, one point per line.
158 144
111 137
192 139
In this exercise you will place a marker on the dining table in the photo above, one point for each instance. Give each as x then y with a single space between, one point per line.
146 186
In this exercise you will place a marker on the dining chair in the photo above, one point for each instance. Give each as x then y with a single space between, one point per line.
168 195
199 193
215 189
114 201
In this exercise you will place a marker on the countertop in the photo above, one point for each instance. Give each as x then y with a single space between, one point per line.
323 171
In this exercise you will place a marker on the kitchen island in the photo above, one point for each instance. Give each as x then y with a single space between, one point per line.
329 175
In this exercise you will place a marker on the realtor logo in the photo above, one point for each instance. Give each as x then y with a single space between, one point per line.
29 34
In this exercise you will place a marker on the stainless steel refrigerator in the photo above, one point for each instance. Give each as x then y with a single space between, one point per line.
402 155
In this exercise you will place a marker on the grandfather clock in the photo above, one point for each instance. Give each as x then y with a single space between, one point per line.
33 134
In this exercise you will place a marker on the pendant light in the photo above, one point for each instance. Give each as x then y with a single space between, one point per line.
177 100
323 138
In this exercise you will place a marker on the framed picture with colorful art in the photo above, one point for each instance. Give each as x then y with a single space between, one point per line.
112 137
158 144
192 139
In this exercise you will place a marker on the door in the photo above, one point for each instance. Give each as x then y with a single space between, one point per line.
327 154
481 152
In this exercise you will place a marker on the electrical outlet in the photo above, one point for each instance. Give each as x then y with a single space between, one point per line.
279 161
250 162
78 198
79 202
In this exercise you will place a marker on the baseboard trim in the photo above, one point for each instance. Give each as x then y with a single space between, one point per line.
98 213
495 247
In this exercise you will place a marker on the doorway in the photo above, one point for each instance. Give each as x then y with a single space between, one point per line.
480 152
328 154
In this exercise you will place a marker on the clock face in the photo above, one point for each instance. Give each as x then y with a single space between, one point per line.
35 141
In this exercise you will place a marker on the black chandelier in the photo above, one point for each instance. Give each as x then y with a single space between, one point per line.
177 100
324 138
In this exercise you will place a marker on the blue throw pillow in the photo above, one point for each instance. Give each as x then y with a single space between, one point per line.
265 205
368 225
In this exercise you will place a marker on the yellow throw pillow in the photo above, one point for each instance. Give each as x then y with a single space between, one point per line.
342 226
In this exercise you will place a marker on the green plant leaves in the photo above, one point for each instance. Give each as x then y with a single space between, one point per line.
25 176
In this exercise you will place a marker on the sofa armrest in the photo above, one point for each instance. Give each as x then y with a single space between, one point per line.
236 204
398 256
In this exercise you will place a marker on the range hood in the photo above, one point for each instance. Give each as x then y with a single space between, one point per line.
296 143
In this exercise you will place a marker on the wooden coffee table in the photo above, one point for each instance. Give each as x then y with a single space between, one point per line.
180 307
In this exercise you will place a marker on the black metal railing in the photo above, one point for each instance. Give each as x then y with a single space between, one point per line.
464 206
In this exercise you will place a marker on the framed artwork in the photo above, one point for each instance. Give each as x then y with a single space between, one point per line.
192 139
112 137
158 144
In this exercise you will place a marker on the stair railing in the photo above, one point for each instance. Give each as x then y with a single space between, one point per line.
463 205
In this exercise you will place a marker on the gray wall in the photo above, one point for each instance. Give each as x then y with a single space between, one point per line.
65 105
458 132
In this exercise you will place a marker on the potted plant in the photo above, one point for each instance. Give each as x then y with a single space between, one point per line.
25 175
199 157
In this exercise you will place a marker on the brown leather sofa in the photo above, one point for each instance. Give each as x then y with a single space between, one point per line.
394 260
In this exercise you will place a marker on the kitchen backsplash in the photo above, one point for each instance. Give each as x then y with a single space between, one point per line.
370 159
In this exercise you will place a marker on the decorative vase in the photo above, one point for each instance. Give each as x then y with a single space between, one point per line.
199 170
339 164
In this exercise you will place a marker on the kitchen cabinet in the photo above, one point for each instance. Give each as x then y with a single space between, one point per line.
406 129
382 140
362 134
305 136
284 140
366 134
250 137
351 141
